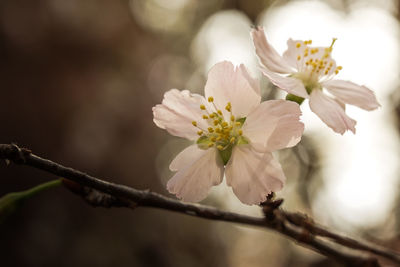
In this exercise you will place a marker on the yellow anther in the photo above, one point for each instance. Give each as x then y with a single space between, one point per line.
336 71
210 129
211 99
326 72
220 147
217 130
212 115
232 118
200 132
224 124
298 45
240 132
219 138
213 139
202 107
228 108
219 112
194 123
232 140
298 57
216 122
237 123
210 144
306 54
339 67
205 117
227 131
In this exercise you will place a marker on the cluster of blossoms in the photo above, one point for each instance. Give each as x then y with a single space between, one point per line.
234 133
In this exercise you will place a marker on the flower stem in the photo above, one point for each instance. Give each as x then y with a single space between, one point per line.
299 100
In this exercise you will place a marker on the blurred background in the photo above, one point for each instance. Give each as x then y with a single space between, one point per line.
78 80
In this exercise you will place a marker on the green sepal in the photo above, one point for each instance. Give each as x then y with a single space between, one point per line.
294 98
226 154
241 120
242 141
203 142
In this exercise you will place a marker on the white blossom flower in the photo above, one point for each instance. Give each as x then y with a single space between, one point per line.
234 133
304 71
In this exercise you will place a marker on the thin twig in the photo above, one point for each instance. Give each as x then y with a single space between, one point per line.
293 225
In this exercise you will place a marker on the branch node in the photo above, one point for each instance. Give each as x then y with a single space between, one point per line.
270 205
97 198
14 153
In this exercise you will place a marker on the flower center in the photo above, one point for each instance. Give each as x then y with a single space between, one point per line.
314 64
222 133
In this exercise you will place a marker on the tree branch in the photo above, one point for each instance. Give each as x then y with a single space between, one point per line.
296 226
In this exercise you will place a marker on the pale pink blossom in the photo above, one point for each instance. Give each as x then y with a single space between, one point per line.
307 72
234 134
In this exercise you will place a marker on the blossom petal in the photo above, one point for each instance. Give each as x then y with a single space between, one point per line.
290 55
291 85
198 170
331 112
226 83
267 54
253 175
274 125
177 111
353 94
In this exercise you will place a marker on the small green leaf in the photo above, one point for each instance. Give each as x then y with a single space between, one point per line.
295 98
10 202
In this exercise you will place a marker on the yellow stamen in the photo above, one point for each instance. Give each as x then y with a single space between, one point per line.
211 99
200 133
210 129
210 144
298 45
194 123
232 118
219 112
220 147
205 117
232 140
240 132
298 57
212 115
202 107
224 124
216 122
